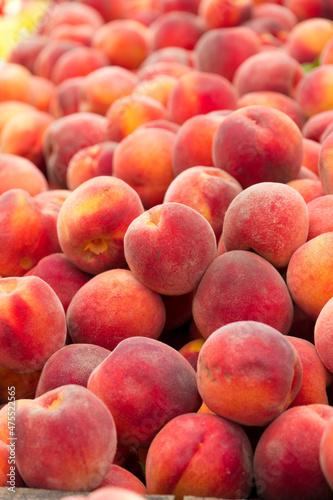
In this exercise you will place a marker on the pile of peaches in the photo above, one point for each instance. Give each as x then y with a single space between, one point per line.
166 250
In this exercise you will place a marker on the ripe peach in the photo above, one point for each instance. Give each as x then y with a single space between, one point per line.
93 220
225 13
103 86
90 162
305 9
198 93
314 90
270 148
14 83
76 460
191 351
176 29
258 294
158 88
234 45
311 151
32 301
42 92
49 55
67 135
207 190
275 11
78 61
69 13
309 189
17 172
110 296
229 385
164 252
167 382
201 455
143 160
323 335
55 196
119 477
66 98
108 10
9 109
125 42
316 125
320 216
312 259
307 39
25 51
169 54
285 464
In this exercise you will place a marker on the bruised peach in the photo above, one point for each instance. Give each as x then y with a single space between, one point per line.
167 382
110 296
165 253
42 428
259 294
202 455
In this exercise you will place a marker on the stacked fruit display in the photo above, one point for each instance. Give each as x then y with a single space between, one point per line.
166 243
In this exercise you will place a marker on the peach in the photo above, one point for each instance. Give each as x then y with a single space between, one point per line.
119 477
198 93
176 29
14 83
31 300
66 98
171 68
316 125
62 276
129 112
25 384
7 413
274 100
325 169
200 455
17 172
325 455
276 12
208 190
55 196
307 39
312 259
191 351
42 92
180 5
125 42
76 460
71 364
258 144
305 9
103 86
323 335
326 54
164 124
167 388
269 70
225 13
234 45
320 216
259 294
169 54
164 252
314 90
285 464
29 232
69 13
81 33
194 141
268 218
315 377
229 385
23 136
309 189
143 160
158 88
271 31
25 51
93 220
9 475
49 55
9 109
108 10
311 151
78 61
67 135
110 296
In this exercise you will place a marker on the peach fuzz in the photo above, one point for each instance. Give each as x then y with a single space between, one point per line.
176 29
285 464
67 135
125 42
49 55
308 38
127 113
234 45
93 220
62 276
164 252
72 364
25 384
103 86
198 93
108 493
69 13
320 216
9 475
193 142
23 136
41 427
17 172
314 90
90 162
271 70
231 388
271 149
119 477
325 453
268 218
225 13
207 190
78 61
167 381
309 189
316 377
32 301
274 100
312 259
259 294
143 160
110 296
201 455
191 351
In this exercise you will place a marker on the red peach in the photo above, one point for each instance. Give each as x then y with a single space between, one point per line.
191 351
225 13
307 39
320 216
108 10
25 51
314 90
119 477
69 13
176 29
78 61
66 99
49 55
309 189
20 173
316 125
311 150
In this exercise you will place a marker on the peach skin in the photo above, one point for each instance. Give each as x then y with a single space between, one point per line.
320 216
